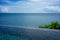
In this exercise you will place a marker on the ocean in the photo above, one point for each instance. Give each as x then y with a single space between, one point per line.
28 19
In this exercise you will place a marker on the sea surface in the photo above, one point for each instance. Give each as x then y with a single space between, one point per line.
28 19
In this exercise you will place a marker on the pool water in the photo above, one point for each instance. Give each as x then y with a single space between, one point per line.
16 33
4 36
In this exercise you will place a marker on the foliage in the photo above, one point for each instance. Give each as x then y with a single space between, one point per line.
52 25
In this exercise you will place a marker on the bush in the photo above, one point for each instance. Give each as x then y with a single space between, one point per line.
41 26
52 25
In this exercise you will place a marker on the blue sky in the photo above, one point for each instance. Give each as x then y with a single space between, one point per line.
30 6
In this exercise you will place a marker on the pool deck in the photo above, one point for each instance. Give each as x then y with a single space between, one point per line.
32 33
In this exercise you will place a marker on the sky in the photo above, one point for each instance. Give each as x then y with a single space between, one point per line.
29 6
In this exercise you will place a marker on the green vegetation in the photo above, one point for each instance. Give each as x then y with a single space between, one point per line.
52 25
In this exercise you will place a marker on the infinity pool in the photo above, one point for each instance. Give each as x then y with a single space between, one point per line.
4 36
8 33
20 33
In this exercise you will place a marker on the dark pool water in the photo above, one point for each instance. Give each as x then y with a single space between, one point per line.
4 36
18 33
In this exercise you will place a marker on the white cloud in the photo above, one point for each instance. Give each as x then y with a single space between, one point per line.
32 6
35 0
55 8
3 9
54 1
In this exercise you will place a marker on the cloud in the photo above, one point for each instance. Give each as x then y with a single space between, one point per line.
55 8
25 7
8 2
5 3
3 9
32 6
35 0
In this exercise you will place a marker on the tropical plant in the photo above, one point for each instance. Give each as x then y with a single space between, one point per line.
52 25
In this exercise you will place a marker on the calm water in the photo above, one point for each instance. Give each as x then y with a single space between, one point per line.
4 36
12 33
31 20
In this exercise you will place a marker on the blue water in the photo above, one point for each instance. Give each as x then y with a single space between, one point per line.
5 36
15 33
31 20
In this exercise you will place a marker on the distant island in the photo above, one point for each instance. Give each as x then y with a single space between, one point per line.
52 25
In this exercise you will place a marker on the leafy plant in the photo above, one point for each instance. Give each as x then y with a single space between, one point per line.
52 25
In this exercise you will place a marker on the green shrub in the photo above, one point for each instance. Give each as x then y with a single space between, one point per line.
52 25
41 26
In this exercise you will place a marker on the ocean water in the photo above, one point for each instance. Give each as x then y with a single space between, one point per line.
28 19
